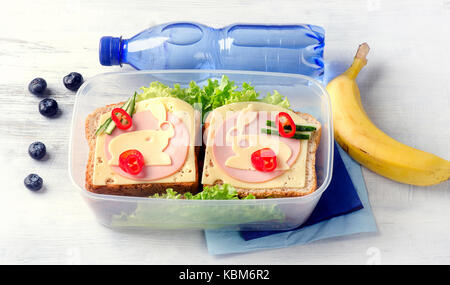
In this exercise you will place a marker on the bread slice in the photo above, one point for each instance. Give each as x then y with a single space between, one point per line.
281 192
140 190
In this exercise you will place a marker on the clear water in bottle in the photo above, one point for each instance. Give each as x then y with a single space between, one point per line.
275 48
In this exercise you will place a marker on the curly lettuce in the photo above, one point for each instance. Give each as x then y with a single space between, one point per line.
216 192
276 99
213 94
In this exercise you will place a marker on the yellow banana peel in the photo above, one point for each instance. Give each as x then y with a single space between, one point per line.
371 147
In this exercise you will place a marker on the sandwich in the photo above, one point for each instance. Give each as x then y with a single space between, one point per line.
152 144
142 148
261 149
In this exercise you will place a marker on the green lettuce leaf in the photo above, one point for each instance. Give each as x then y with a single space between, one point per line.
216 192
170 194
156 89
212 95
276 99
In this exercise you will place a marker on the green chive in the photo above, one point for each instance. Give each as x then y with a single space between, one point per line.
108 126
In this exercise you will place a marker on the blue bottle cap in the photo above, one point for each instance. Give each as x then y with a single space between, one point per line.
109 51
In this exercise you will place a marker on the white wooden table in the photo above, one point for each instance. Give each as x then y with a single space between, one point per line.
404 89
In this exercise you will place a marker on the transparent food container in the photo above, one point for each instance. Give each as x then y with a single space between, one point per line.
304 94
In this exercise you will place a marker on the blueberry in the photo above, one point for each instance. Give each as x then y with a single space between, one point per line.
73 81
33 182
37 150
37 86
48 107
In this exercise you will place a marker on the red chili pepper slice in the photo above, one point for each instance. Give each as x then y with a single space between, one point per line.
264 160
131 161
283 120
123 116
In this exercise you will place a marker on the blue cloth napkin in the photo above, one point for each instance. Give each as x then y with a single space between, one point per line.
320 226
340 198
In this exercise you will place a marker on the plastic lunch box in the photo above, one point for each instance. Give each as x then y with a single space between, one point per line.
304 93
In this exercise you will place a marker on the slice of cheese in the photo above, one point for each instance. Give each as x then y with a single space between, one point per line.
150 143
245 145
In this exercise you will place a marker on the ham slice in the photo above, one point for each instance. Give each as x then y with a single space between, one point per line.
222 149
177 148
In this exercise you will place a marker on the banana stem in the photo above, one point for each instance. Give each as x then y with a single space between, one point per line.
359 61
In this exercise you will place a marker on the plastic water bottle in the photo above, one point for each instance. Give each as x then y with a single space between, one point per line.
185 45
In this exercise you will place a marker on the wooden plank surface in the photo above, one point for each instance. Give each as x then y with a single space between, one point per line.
404 89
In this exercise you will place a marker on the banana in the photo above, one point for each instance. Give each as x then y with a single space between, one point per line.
371 147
